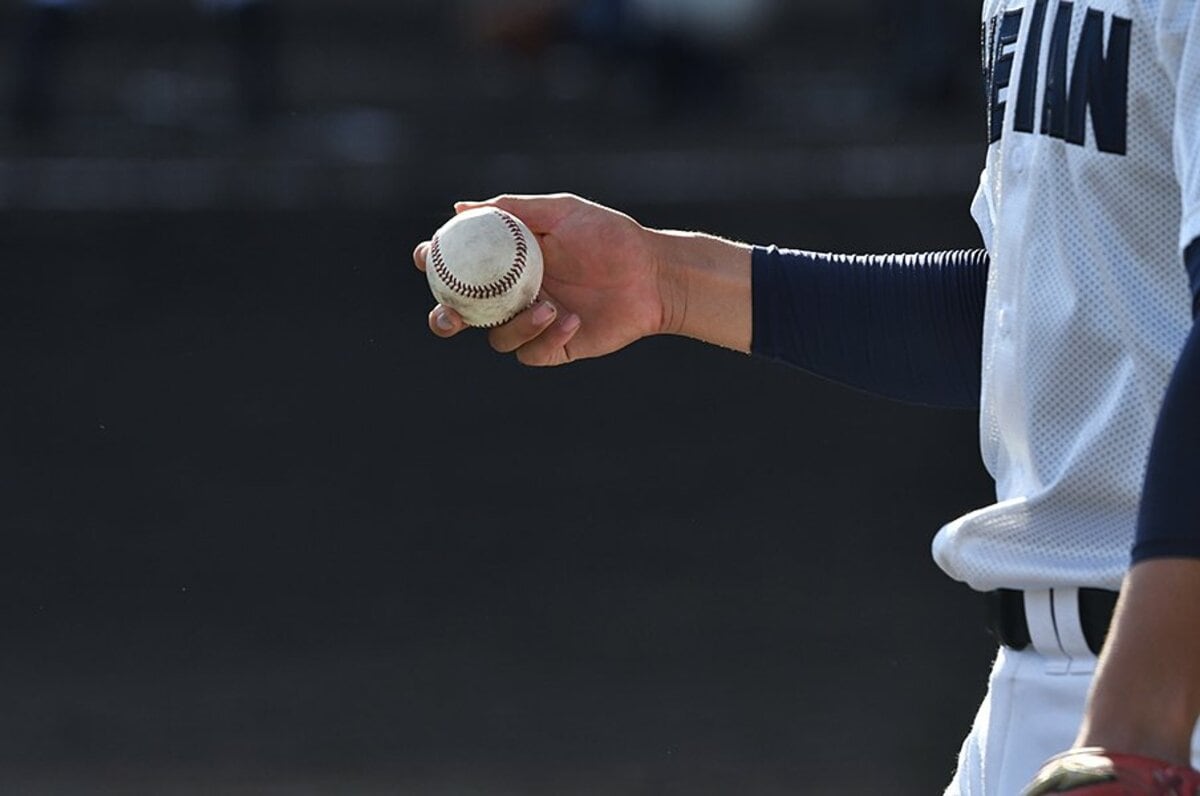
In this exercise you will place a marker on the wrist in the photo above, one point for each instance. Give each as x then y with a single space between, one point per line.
704 285
1153 727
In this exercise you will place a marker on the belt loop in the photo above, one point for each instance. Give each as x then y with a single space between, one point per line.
1069 623
1065 626
1039 614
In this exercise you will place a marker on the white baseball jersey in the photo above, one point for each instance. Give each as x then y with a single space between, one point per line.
1090 191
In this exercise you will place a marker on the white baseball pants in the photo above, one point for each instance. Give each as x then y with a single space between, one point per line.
1034 703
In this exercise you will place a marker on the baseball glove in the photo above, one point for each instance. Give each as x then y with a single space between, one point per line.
1095 772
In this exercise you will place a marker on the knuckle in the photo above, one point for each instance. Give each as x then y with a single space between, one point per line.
507 338
534 354
497 342
540 354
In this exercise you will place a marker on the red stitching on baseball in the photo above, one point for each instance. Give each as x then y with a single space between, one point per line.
493 289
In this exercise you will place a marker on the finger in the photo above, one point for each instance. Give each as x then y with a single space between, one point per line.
523 328
540 213
552 347
420 255
445 322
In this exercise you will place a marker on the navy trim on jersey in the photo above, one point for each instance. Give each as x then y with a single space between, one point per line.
1191 258
903 326
1169 520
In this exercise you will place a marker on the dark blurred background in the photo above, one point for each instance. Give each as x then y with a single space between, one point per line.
262 533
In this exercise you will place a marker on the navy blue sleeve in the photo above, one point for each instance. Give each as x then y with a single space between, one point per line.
1169 521
904 326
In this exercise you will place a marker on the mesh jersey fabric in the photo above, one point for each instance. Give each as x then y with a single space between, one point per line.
1088 302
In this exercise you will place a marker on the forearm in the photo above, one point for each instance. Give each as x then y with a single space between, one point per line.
904 326
1146 697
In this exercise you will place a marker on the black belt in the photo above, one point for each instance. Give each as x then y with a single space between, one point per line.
1007 623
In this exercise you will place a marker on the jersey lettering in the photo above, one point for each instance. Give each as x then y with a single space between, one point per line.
1098 80
1005 41
1027 96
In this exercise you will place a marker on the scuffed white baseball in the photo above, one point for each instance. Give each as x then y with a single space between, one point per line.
486 264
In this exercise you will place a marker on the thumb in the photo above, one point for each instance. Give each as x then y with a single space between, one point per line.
540 213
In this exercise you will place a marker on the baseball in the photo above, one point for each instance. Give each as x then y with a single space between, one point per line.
485 264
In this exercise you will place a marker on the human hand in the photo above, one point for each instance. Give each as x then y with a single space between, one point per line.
1095 772
604 285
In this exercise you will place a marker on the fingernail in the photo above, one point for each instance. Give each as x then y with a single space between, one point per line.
443 322
571 323
543 313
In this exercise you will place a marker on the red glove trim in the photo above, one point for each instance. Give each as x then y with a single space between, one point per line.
1095 772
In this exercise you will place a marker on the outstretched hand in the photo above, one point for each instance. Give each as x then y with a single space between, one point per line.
603 287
